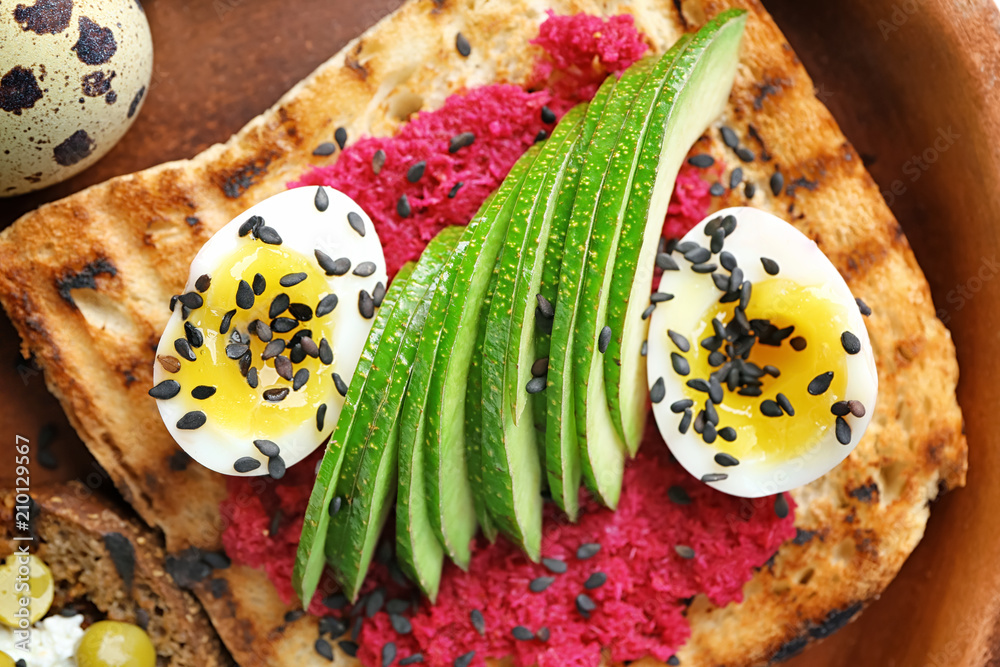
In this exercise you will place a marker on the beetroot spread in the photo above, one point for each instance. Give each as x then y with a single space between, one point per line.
638 609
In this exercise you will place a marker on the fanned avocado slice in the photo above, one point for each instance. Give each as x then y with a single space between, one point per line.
368 479
454 318
311 557
510 449
694 92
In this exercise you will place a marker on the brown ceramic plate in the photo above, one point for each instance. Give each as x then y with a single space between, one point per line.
915 85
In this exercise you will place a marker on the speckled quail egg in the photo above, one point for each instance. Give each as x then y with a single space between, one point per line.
73 76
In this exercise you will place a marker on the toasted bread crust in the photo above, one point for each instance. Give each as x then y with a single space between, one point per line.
135 235
86 542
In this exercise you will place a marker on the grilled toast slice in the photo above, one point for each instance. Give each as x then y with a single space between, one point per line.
86 281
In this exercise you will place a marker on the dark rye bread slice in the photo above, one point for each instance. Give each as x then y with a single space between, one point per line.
102 560
86 281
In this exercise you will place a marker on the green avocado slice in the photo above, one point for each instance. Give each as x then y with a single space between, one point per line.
368 479
561 456
510 450
601 462
452 326
311 556
694 92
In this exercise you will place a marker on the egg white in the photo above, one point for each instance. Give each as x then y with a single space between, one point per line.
303 228
758 234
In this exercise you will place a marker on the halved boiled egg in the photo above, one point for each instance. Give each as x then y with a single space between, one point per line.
254 363
761 371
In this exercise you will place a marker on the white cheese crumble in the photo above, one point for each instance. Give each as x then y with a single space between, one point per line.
53 642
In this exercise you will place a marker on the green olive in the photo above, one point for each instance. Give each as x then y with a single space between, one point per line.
115 644
25 577
6 660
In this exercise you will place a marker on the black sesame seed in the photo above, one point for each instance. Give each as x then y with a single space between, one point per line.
301 377
269 235
416 171
236 350
604 339
263 331
714 477
378 294
728 433
716 359
460 141
798 343
684 551
718 239
708 432
588 550
283 324
356 222
771 370
702 160
340 136
273 349
252 378
744 153
707 267
658 390
192 300
857 408
777 183
660 297
283 367
717 189
648 311
320 417
548 116
203 282
378 161
350 648
678 495
680 366
679 340
400 624
324 149
785 404
246 464
478 622
555 565
412 660
340 384
863 307
680 406
644 350
276 395
781 506
715 390
595 580
536 385
322 200
540 584
770 266
673 661
585 605
464 660
729 224
522 633
278 305
292 279
203 391
454 189
685 422
365 269
698 385
244 295
843 430
851 343
711 343
250 224
259 284
165 390
192 420
335 504
325 352
729 137
698 255
819 384
726 460
462 45
403 207
769 408
331 266
750 391
666 263
227 320
366 306
267 448
749 190
541 136
296 354
728 260
326 305
300 311
735 178
388 653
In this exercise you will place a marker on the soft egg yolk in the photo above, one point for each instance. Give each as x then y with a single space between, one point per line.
236 406
819 320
